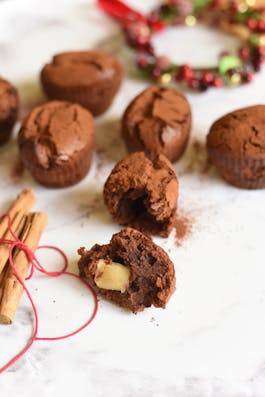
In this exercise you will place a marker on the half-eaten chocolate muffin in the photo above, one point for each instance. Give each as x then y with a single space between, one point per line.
130 271
142 193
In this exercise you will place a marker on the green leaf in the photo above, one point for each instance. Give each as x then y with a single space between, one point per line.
228 62
198 4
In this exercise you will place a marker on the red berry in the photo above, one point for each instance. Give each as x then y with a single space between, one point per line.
186 72
207 77
142 62
252 24
217 82
156 73
261 26
244 53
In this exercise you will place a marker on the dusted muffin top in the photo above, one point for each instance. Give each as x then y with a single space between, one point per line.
57 130
236 146
81 68
158 121
56 142
240 134
90 78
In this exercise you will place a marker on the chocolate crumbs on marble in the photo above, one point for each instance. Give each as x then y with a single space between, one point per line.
183 226
94 205
18 170
197 159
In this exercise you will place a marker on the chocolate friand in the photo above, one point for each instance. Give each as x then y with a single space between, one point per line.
56 143
90 78
142 193
130 271
158 121
9 104
236 146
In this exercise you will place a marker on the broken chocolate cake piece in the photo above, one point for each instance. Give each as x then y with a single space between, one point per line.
142 193
130 271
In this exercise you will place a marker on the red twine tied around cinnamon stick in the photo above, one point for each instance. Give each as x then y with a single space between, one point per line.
120 11
36 265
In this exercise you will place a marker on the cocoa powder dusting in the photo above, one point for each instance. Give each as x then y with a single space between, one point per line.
17 170
197 159
183 226
94 205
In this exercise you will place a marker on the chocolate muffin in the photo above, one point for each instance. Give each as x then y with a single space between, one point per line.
9 104
130 271
56 142
90 78
158 121
236 146
142 193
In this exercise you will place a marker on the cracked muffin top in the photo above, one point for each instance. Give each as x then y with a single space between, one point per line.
157 121
56 142
239 134
56 131
81 68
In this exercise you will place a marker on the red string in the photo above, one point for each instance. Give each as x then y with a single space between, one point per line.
36 265
120 11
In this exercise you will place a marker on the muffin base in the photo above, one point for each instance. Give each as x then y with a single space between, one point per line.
6 127
245 174
60 175
95 99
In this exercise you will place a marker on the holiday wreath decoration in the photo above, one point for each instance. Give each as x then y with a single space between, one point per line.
241 19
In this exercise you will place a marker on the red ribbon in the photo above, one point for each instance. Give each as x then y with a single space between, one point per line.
36 265
120 11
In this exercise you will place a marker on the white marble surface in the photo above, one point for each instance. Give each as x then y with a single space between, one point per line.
209 342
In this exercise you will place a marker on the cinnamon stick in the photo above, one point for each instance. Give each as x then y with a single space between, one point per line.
24 202
17 226
11 288
21 206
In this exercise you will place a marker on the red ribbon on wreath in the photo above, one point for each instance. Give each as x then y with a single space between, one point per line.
120 11
124 14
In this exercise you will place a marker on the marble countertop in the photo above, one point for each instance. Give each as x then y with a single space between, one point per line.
209 342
